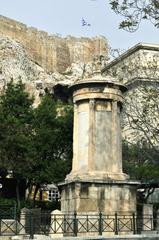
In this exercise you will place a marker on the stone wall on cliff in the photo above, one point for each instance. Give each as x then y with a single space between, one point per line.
16 64
53 53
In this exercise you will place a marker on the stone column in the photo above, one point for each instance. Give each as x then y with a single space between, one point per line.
97 150
75 134
116 138
91 134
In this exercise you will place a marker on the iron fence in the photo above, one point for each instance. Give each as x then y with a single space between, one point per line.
7 211
75 225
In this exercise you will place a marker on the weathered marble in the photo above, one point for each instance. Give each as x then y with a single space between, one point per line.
108 197
97 182
97 152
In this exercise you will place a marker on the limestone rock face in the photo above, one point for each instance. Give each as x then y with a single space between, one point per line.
42 61
53 53
16 65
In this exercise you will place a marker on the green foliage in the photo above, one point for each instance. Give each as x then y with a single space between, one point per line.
15 129
52 141
7 207
7 202
141 115
35 144
44 205
134 11
141 162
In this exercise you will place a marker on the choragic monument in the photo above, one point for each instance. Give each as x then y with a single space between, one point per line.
97 182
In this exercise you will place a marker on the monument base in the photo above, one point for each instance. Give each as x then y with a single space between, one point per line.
94 176
93 197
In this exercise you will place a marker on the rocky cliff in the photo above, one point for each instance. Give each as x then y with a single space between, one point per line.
42 61
53 53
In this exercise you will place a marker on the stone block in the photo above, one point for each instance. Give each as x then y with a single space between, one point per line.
106 197
148 217
57 224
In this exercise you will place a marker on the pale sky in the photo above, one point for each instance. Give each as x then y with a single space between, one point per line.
65 18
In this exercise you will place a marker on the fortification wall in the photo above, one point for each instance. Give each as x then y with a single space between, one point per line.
53 53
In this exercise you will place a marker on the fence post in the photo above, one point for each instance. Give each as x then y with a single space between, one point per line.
14 211
65 222
16 225
0 224
116 224
87 223
46 216
31 225
134 223
75 226
100 224
55 223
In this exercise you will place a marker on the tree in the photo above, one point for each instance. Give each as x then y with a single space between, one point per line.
52 142
141 114
140 148
141 163
134 11
16 116
35 144
115 52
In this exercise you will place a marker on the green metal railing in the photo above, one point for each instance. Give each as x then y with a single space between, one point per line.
8 211
75 224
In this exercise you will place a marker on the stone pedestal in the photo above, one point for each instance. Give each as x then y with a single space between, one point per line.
108 197
147 217
56 226
23 214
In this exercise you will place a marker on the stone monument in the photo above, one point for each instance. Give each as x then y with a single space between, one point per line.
97 182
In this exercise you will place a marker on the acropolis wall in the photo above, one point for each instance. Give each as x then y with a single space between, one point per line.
53 53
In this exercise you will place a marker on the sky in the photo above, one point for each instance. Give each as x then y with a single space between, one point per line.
64 17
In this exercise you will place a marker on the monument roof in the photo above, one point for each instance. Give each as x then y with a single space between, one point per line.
98 78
